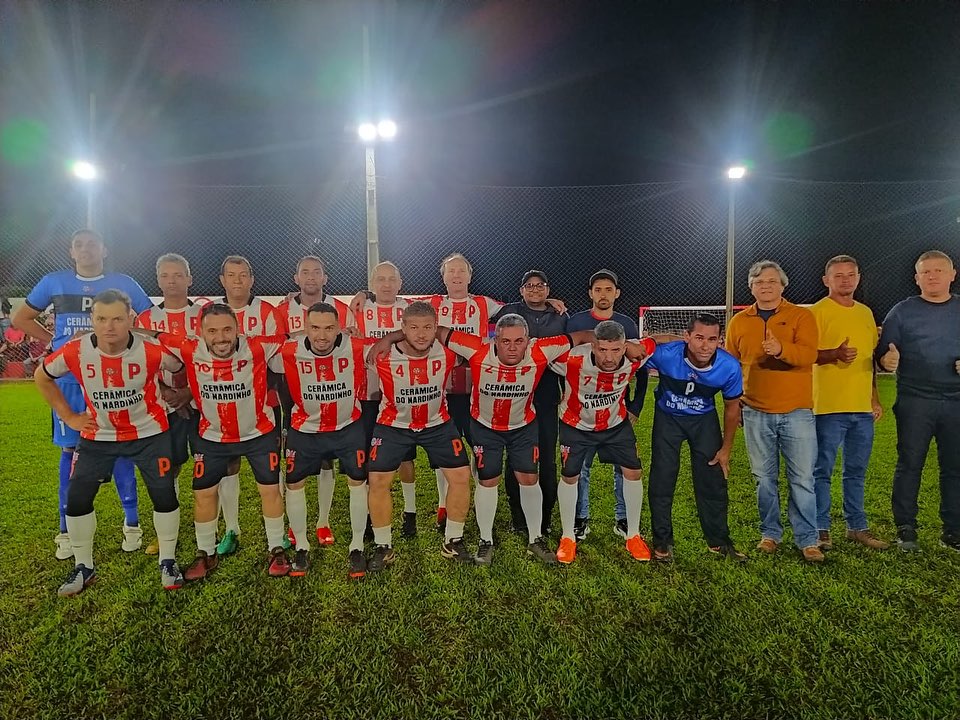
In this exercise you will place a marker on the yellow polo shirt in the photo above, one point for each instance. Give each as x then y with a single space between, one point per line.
844 387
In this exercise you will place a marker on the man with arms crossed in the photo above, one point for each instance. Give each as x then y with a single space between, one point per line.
119 375
845 400
71 293
921 343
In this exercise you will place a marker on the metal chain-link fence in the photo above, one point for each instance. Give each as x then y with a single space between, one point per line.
667 241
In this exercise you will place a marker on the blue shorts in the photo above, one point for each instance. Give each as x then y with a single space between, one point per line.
63 435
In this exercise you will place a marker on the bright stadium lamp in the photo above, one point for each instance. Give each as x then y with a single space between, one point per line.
84 170
367 132
736 172
387 129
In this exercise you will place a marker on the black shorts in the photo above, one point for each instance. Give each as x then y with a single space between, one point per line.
93 460
183 432
369 410
389 446
286 403
211 459
306 452
617 446
521 445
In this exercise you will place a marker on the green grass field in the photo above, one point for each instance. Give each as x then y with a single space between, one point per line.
867 635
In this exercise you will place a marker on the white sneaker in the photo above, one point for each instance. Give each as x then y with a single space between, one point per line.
132 538
64 548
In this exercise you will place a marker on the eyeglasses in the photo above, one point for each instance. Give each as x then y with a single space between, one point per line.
534 286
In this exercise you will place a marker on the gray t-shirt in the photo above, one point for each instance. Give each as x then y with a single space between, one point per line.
927 334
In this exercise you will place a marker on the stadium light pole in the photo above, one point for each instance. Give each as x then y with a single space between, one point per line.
735 174
370 134
87 173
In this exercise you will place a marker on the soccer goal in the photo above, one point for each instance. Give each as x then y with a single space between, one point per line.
673 319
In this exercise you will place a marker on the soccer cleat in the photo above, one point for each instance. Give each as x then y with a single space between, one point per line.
229 544
383 556
539 550
728 551
768 546
812 554
662 553
824 541
484 554
153 548
324 536
409 525
867 539
64 548
132 538
170 575
620 528
441 519
950 541
638 549
201 567
77 581
300 564
907 539
278 565
358 565
456 549
581 528
567 552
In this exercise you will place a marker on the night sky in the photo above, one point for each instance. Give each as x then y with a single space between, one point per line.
510 92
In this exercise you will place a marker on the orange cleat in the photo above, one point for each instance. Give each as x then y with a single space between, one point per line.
638 548
567 552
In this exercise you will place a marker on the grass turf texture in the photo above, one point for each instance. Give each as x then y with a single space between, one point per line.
867 635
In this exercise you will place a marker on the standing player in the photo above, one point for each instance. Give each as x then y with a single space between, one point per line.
118 373
413 411
604 291
326 374
373 321
593 418
255 317
179 315
71 293
692 371
227 376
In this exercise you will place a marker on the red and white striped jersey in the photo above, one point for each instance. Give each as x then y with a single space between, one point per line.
592 398
176 322
374 321
294 314
325 388
502 395
121 391
230 393
258 317
413 388
470 315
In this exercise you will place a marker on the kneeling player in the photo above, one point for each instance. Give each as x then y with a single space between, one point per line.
119 373
326 375
593 418
413 411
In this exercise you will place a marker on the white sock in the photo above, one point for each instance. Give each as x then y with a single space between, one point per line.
531 500
383 536
206 533
358 514
81 530
454 530
409 497
325 483
229 493
441 489
296 502
633 499
167 526
485 504
567 499
274 528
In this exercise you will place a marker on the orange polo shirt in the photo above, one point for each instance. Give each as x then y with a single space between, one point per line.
775 384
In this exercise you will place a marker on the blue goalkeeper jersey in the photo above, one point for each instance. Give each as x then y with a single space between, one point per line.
686 389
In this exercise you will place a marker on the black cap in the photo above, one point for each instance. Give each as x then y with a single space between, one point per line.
605 275
534 274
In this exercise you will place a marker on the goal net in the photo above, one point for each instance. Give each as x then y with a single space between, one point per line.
673 319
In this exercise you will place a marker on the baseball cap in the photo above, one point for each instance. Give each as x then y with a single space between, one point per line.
534 274
605 275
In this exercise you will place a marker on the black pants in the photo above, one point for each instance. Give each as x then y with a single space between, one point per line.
702 432
920 420
546 403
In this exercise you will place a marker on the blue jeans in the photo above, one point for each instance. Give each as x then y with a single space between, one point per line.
795 435
583 490
854 433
